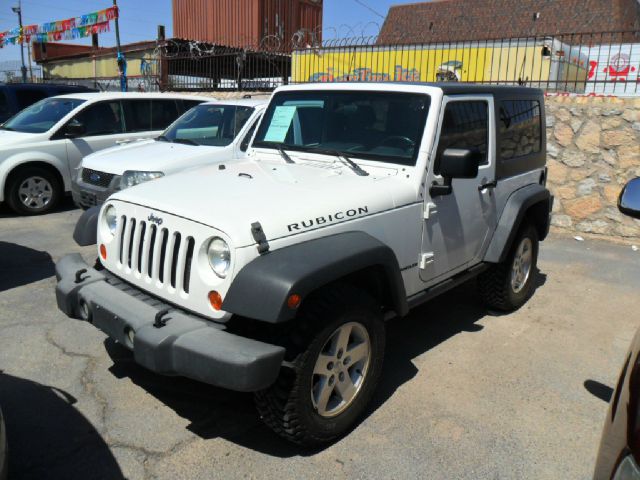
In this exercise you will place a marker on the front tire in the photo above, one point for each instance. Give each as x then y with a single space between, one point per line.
339 339
508 285
33 191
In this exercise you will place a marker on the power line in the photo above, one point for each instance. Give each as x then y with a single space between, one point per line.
362 4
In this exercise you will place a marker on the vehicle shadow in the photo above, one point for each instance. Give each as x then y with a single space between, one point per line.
66 205
20 265
49 438
214 412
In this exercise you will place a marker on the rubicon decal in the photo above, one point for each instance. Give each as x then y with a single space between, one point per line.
331 218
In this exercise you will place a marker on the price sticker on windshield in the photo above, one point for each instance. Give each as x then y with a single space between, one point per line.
280 123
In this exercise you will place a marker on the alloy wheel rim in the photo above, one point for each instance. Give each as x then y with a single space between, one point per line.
521 268
340 369
35 192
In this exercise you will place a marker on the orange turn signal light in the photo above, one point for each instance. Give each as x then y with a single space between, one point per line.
293 301
215 300
103 251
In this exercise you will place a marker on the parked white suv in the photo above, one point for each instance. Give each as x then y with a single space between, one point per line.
208 133
42 145
275 274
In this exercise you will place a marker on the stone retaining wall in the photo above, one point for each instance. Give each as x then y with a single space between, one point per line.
592 150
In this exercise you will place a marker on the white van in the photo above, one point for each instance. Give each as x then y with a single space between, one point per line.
208 133
44 143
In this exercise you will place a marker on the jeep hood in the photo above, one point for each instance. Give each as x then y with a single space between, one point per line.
152 156
276 194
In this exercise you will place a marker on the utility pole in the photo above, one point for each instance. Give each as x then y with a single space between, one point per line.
122 61
18 10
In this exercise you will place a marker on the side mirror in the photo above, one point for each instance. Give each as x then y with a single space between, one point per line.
455 163
74 129
629 199
459 163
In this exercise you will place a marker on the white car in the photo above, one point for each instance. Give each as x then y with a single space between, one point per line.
43 144
210 132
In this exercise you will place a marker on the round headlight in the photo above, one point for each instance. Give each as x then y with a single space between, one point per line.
219 256
111 219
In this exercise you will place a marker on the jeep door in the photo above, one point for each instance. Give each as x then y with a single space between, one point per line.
458 225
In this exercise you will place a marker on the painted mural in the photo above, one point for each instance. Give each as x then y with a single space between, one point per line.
614 69
547 64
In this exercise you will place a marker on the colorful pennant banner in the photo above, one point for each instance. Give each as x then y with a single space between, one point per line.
69 29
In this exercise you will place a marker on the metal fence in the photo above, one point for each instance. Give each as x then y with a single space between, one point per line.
595 63
185 65
10 72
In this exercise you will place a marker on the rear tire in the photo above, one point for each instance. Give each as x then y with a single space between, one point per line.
338 349
508 285
33 191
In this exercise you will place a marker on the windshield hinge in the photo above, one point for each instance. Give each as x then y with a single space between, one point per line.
259 237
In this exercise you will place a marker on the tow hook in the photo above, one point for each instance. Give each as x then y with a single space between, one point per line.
79 277
159 321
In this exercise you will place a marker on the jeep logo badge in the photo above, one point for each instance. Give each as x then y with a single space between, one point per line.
153 219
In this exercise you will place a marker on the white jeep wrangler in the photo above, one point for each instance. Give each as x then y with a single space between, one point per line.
275 274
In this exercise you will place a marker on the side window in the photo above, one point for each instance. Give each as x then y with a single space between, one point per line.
520 128
137 115
244 146
464 125
163 113
29 96
103 118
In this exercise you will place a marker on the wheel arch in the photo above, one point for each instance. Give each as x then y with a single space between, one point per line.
531 203
262 287
15 165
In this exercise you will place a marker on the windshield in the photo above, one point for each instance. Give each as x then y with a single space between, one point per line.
41 116
383 126
213 125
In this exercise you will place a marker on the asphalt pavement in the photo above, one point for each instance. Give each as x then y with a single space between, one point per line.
465 394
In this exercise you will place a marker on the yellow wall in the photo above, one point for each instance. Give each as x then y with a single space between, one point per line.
479 64
105 67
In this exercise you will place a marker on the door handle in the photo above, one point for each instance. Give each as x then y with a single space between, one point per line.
122 142
485 186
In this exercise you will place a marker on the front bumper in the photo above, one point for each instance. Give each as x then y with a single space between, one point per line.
186 345
86 195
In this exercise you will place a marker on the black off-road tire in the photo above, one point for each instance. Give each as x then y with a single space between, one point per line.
287 407
495 285
17 178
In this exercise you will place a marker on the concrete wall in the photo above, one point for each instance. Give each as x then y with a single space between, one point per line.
593 149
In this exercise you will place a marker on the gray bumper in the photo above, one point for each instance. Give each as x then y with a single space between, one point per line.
186 345
87 196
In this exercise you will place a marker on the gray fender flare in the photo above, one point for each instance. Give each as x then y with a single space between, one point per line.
536 200
262 287
86 231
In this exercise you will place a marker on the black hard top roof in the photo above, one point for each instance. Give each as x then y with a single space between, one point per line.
452 88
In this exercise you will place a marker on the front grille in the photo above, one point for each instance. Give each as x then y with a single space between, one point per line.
156 253
94 177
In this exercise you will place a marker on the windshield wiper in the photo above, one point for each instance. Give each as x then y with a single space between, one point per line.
186 141
284 154
341 156
162 138
2 127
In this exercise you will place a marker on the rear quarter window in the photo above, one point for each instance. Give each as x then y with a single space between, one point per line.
520 128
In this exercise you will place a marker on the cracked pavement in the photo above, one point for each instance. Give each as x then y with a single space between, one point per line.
464 394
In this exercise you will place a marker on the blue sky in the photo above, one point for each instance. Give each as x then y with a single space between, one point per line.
138 21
